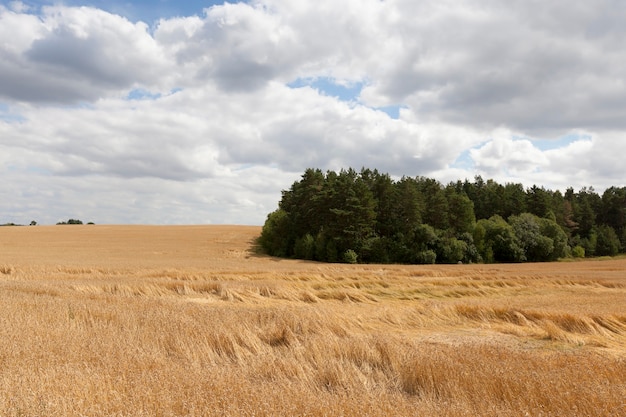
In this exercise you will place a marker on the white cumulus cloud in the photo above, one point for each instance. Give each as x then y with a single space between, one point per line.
198 119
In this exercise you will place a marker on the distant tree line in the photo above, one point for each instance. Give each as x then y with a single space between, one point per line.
368 217
71 221
34 223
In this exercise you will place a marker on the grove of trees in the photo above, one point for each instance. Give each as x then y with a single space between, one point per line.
71 221
368 217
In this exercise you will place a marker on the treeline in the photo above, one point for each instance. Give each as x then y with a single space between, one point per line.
368 217
34 223
71 221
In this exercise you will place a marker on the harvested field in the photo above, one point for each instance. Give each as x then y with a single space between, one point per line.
189 320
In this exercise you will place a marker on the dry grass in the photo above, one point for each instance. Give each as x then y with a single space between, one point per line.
168 321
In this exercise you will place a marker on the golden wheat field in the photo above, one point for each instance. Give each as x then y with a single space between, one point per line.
189 320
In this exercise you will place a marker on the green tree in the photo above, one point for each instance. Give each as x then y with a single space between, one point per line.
71 221
461 218
560 245
424 241
586 208
436 210
350 257
407 206
377 250
273 235
304 247
352 212
527 228
384 193
298 202
578 252
487 197
497 242
539 201
589 243
450 250
570 226
613 212
415 220
608 243
320 247
471 252
513 200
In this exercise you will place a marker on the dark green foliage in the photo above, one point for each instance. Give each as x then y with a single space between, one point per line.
513 200
436 210
349 216
461 218
450 250
471 254
426 257
551 230
527 228
539 201
350 257
578 252
375 250
589 243
586 205
71 221
613 212
320 247
351 212
304 247
497 241
487 198
566 219
425 237
298 202
331 254
275 234
607 243
541 239
424 242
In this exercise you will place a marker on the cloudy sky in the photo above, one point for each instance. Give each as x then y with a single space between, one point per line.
193 112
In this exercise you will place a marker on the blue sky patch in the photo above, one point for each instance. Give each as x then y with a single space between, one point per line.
347 93
148 11
561 142
7 115
141 94
464 161
329 87
392 111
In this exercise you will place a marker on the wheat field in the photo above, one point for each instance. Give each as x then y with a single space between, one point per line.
190 320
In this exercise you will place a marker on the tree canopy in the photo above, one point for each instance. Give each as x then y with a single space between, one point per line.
367 216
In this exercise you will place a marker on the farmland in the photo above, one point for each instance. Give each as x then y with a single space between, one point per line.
191 320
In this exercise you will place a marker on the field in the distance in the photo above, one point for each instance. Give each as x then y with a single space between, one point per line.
188 320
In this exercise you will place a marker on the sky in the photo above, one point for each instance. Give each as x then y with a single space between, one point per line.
202 112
